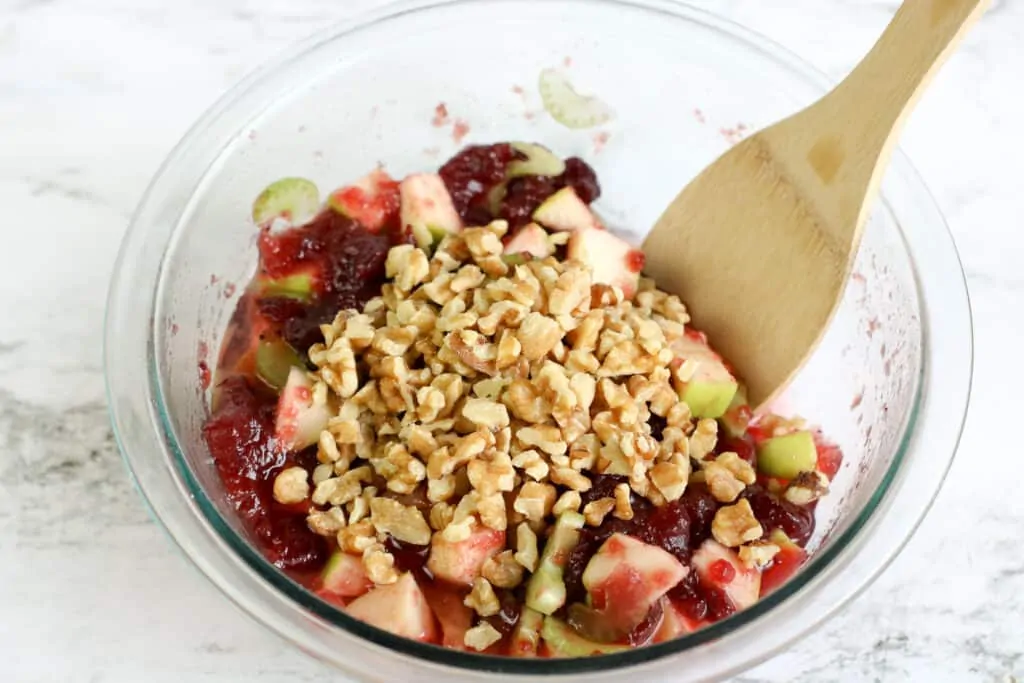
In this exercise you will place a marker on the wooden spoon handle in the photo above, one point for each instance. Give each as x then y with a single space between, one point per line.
840 145
883 88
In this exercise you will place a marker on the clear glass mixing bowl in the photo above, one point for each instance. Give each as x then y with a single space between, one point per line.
890 382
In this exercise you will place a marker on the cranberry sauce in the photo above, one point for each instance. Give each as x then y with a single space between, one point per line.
240 438
473 173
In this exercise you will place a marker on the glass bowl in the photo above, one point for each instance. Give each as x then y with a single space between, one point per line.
890 382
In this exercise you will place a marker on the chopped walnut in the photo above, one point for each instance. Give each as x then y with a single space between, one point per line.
721 481
595 511
485 413
404 523
481 636
379 565
291 486
535 500
526 547
482 599
623 505
570 501
502 570
671 478
538 335
758 554
704 438
735 525
355 538
327 522
806 488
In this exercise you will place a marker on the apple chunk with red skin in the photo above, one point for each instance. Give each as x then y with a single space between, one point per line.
626 577
710 389
299 419
721 568
453 616
612 260
459 562
674 623
399 608
372 200
344 576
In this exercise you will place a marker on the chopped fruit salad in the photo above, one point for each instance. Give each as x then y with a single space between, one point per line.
452 406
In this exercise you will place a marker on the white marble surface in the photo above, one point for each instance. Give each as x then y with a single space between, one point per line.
93 94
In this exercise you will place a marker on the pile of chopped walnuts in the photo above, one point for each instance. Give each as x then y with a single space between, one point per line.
495 390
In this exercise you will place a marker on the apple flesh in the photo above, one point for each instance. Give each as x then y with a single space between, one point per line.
299 420
399 608
459 562
674 624
741 584
787 456
626 577
564 211
372 200
530 239
452 614
427 208
612 260
784 565
344 576
711 388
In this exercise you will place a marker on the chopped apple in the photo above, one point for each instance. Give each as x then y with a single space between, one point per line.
299 420
787 456
372 200
344 576
526 637
300 285
427 208
784 565
562 641
710 388
459 563
625 577
452 614
674 624
545 591
611 259
565 211
399 608
721 568
274 360
294 200
539 161
530 239
737 416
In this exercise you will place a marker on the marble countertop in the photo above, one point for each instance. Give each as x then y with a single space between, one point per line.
93 94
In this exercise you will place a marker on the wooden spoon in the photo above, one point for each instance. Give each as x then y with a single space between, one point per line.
761 243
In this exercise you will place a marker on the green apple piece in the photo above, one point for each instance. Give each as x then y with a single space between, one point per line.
344 576
399 608
526 636
296 200
274 360
563 641
427 208
299 420
611 259
736 417
297 286
530 239
743 587
711 388
545 591
539 161
495 196
787 456
565 211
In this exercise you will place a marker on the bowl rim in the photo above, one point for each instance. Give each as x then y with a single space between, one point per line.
163 439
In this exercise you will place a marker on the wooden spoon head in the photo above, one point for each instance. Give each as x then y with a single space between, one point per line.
752 246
